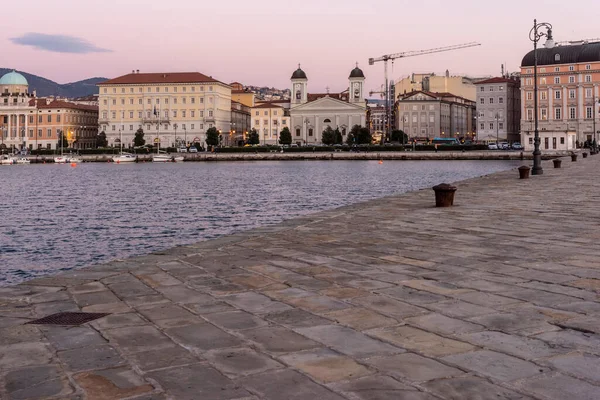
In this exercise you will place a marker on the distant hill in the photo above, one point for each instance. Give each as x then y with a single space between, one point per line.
46 87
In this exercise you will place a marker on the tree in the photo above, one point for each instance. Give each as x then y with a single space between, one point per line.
364 136
101 140
338 136
212 136
399 136
62 141
138 140
285 136
253 138
328 136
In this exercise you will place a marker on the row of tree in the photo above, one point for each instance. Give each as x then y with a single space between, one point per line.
357 135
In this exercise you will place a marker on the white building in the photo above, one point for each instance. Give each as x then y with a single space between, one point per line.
312 113
171 108
498 110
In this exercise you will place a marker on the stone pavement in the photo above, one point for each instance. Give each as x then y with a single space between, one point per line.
495 298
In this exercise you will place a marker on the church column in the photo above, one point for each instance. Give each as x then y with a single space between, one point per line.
363 120
317 131
26 138
9 132
337 121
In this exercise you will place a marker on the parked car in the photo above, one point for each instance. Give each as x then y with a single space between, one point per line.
503 146
492 146
193 150
517 146
182 150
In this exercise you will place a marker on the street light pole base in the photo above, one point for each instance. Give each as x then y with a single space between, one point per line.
537 171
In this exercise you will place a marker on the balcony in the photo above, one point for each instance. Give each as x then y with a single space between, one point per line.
161 120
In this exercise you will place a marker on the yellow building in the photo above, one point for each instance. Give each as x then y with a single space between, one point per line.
461 86
241 95
171 108
268 119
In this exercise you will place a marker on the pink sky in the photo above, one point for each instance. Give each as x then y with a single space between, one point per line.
261 42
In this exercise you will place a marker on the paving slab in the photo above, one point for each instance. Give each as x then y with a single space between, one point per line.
279 340
241 362
471 387
554 386
287 384
349 342
235 320
36 383
115 383
361 318
378 387
202 337
325 365
198 381
500 367
296 318
413 367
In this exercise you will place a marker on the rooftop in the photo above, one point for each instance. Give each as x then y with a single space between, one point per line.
573 54
160 78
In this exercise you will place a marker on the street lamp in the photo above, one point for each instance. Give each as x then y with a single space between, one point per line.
535 35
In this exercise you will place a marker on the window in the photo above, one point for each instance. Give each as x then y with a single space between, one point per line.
557 79
201 114
192 125
558 113
275 113
588 67
184 89
210 88
193 99
542 69
529 95
130 114
174 113
491 88
482 100
114 115
482 126
529 71
297 131
571 68
491 100
175 100
542 81
49 132
114 102
105 102
167 101
529 114
589 112
588 93
105 90
130 127
482 89
210 113
557 94
157 101
266 113
104 114
501 125
491 125
557 57
543 95
256 122
266 122
530 140
546 141
572 93
562 140
58 118
544 112
501 100
130 101
149 101
557 69
184 100
193 113
175 89
39 133
139 114
257 113
554 143
31 133
572 113
141 101
571 79
183 114
588 78
528 81
310 131
284 121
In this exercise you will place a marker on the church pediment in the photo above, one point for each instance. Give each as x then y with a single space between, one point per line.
419 96
328 104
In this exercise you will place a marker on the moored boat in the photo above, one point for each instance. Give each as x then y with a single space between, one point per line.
124 158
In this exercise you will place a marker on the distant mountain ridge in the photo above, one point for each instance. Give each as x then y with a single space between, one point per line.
46 87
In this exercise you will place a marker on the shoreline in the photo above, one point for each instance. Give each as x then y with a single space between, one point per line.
332 156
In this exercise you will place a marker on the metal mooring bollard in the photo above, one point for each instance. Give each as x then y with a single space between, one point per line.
524 172
557 162
584 154
573 157
444 195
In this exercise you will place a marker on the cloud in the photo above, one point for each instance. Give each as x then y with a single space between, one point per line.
57 43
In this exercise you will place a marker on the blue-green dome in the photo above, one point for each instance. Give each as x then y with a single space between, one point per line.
13 78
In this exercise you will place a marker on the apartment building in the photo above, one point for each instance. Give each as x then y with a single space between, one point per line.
168 107
424 114
462 86
268 119
568 93
498 110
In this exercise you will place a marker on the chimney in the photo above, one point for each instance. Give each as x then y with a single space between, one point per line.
137 71
447 74
133 71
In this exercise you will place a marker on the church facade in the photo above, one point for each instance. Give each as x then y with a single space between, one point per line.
312 113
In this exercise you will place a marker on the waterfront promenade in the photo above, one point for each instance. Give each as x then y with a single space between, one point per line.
494 298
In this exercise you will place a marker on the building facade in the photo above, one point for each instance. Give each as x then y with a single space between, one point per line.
461 86
240 124
312 113
568 93
498 110
268 119
27 122
171 108
428 115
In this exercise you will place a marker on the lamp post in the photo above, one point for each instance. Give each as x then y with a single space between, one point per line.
535 35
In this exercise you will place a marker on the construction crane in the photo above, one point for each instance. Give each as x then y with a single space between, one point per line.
392 57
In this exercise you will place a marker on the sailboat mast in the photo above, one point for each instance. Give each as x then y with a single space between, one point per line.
158 130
